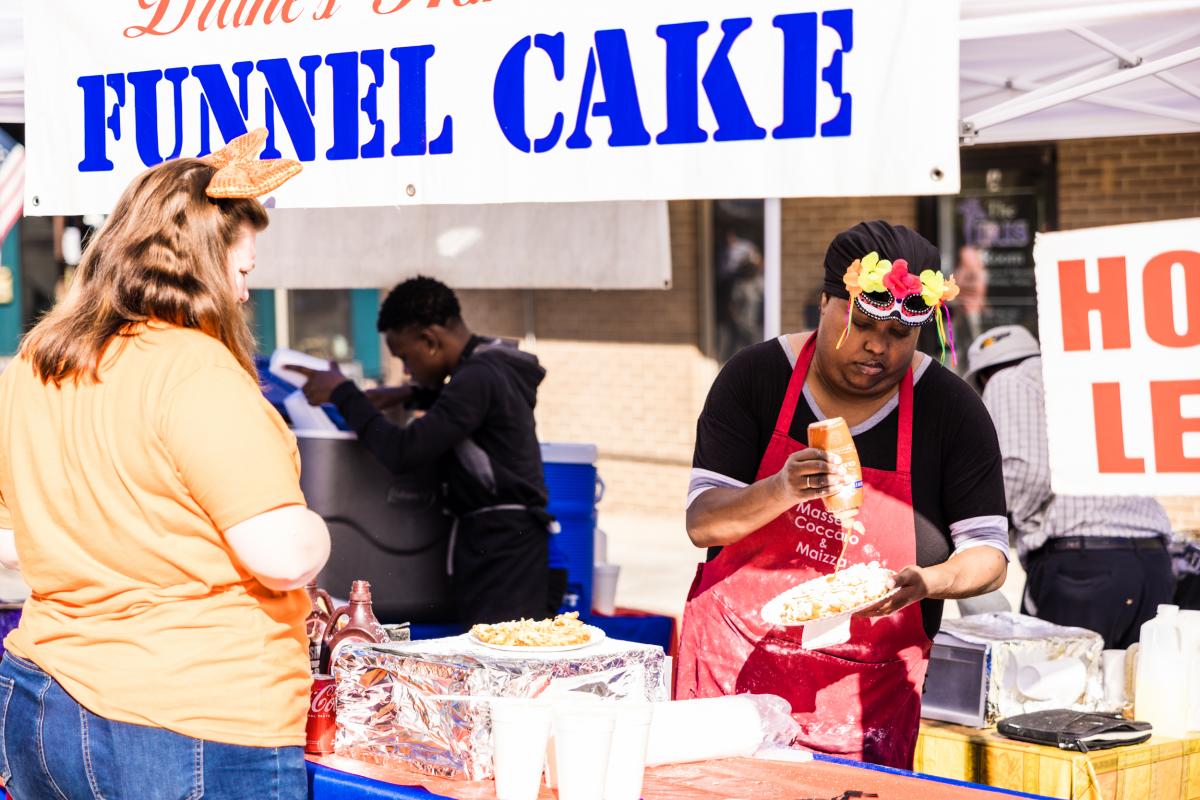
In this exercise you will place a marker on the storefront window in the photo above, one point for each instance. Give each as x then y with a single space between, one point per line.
321 323
737 275
986 235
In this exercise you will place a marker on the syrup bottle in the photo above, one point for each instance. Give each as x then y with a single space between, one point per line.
317 623
361 624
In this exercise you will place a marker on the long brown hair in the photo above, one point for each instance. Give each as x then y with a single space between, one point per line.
161 255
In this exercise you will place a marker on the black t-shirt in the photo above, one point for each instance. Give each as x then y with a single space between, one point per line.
956 465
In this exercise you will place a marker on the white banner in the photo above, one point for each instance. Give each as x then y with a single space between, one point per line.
401 102
560 246
1119 313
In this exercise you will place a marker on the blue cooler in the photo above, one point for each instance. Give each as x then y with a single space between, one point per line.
574 488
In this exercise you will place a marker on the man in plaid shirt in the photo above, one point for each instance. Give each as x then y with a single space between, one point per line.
1093 562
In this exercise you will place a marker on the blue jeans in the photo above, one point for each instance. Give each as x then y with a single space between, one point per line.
51 747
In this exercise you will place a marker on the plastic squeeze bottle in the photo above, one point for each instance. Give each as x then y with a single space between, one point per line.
1162 682
833 435
361 624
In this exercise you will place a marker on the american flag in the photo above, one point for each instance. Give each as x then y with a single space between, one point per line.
12 184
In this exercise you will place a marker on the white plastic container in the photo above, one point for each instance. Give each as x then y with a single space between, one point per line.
1162 680
1189 639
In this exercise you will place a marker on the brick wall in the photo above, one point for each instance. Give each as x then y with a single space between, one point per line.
1132 179
1128 179
809 224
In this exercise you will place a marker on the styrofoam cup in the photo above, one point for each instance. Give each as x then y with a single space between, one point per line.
583 737
604 588
557 702
627 757
1113 662
520 729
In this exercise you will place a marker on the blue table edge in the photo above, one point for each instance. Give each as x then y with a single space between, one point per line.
418 793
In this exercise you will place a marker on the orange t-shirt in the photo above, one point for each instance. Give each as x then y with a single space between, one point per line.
118 493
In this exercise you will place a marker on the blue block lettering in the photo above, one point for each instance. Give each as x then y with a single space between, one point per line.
683 83
217 101
145 116
508 94
98 120
735 123
348 103
610 57
842 21
799 76
295 110
345 106
413 63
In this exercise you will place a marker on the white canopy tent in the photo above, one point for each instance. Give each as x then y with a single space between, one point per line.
1030 69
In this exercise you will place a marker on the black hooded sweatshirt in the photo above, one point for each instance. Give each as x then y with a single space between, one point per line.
478 429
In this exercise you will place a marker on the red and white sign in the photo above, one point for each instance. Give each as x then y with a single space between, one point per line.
1119 313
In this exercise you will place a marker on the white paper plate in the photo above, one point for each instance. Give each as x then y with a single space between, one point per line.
595 637
772 612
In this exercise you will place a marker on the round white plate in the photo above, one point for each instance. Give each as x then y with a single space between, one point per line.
772 612
595 637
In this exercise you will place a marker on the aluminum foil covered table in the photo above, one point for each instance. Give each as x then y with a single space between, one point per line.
423 704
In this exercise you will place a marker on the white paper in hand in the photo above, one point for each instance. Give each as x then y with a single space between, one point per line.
304 416
282 358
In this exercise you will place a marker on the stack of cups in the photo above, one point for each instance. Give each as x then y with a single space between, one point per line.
583 738
599 749
627 757
520 730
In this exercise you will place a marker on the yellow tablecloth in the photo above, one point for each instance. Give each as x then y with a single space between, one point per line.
1160 769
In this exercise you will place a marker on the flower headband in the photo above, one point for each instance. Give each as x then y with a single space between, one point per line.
240 172
885 290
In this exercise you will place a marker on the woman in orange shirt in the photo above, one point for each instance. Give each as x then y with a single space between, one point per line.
151 497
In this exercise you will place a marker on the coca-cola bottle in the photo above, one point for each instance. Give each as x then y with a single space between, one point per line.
317 623
361 624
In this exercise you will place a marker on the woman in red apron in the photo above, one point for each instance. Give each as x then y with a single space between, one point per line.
861 699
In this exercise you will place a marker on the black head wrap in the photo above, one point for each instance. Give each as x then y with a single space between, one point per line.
891 242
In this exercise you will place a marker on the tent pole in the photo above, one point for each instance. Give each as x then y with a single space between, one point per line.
1106 102
283 319
772 267
1130 58
996 25
1149 48
1021 107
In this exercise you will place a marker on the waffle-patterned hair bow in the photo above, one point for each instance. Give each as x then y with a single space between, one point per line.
240 172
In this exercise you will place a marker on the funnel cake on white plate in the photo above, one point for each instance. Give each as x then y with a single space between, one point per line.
850 589
562 631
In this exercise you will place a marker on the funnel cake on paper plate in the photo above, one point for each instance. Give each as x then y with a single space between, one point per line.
851 589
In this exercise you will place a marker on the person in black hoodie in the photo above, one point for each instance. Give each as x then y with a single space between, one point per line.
478 428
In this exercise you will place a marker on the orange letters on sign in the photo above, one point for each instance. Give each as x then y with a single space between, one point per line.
1111 301
1170 425
1110 431
1160 300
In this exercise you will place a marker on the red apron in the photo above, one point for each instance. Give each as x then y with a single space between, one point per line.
859 700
